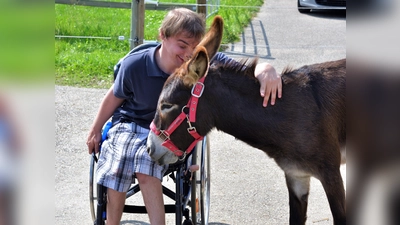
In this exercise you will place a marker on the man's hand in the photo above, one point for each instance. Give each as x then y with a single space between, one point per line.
93 141
270 82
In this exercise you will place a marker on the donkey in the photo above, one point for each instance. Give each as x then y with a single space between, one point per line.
303 132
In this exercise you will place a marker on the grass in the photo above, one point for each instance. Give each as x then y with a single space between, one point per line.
85 62
25 34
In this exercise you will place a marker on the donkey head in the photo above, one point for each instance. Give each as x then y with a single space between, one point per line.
172 133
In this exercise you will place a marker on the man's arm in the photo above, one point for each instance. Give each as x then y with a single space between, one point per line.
106 109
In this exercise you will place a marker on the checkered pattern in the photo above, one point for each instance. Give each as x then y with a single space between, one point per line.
123 154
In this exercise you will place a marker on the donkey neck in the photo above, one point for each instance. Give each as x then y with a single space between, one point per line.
232 103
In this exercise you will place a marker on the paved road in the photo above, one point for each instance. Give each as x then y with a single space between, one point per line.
255 194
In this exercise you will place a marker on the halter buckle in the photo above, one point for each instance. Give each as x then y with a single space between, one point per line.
197 91
163 135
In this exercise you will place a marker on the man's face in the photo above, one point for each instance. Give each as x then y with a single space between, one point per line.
179 48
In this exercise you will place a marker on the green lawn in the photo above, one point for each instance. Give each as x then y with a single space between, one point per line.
86 62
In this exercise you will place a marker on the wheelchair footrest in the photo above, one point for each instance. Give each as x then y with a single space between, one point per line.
142 209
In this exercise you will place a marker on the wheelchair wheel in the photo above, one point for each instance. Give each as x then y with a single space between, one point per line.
97 196
92 189
200 198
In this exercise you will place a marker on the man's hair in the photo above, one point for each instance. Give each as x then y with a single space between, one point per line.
183 20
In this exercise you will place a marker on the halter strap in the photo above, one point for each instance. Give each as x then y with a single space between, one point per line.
196 92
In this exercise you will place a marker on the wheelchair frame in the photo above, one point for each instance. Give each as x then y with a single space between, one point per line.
192 190
191 196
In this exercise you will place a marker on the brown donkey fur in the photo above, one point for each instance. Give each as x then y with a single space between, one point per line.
303 132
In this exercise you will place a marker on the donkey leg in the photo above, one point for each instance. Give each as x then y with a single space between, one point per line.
334 189
298 186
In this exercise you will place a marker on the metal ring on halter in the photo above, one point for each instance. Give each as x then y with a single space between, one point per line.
182 158
185 106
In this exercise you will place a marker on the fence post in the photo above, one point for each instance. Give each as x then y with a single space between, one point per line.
137 23
201 7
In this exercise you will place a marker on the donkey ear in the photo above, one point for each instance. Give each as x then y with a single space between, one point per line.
197 66
213 38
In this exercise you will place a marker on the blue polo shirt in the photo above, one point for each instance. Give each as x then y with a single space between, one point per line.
139 81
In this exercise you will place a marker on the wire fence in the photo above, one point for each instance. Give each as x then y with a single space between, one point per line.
212 8
208 7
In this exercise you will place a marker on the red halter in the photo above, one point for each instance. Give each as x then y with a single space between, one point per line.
197 91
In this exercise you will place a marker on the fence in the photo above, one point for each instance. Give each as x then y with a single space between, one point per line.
138 7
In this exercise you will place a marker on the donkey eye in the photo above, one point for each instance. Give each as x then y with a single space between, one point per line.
166 106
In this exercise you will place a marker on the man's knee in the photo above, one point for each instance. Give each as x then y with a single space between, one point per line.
145 179
116 195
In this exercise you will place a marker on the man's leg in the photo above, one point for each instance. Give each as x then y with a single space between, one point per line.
151 189
115 206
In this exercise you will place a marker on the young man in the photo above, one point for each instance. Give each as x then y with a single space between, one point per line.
132 102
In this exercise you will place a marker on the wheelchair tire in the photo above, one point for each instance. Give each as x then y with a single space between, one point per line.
92 189
96 193
200 198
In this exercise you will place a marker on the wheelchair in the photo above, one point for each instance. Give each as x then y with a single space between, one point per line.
192 188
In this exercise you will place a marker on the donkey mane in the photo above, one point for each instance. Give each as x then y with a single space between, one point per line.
238 75
305 75
244 67
300 76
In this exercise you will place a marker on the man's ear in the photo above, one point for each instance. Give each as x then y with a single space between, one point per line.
196 66
213 38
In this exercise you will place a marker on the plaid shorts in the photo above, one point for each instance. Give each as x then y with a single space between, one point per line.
123 154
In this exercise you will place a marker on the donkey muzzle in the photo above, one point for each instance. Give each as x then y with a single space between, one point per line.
159 153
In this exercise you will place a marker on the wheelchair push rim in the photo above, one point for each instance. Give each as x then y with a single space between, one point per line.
92 189
201 184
